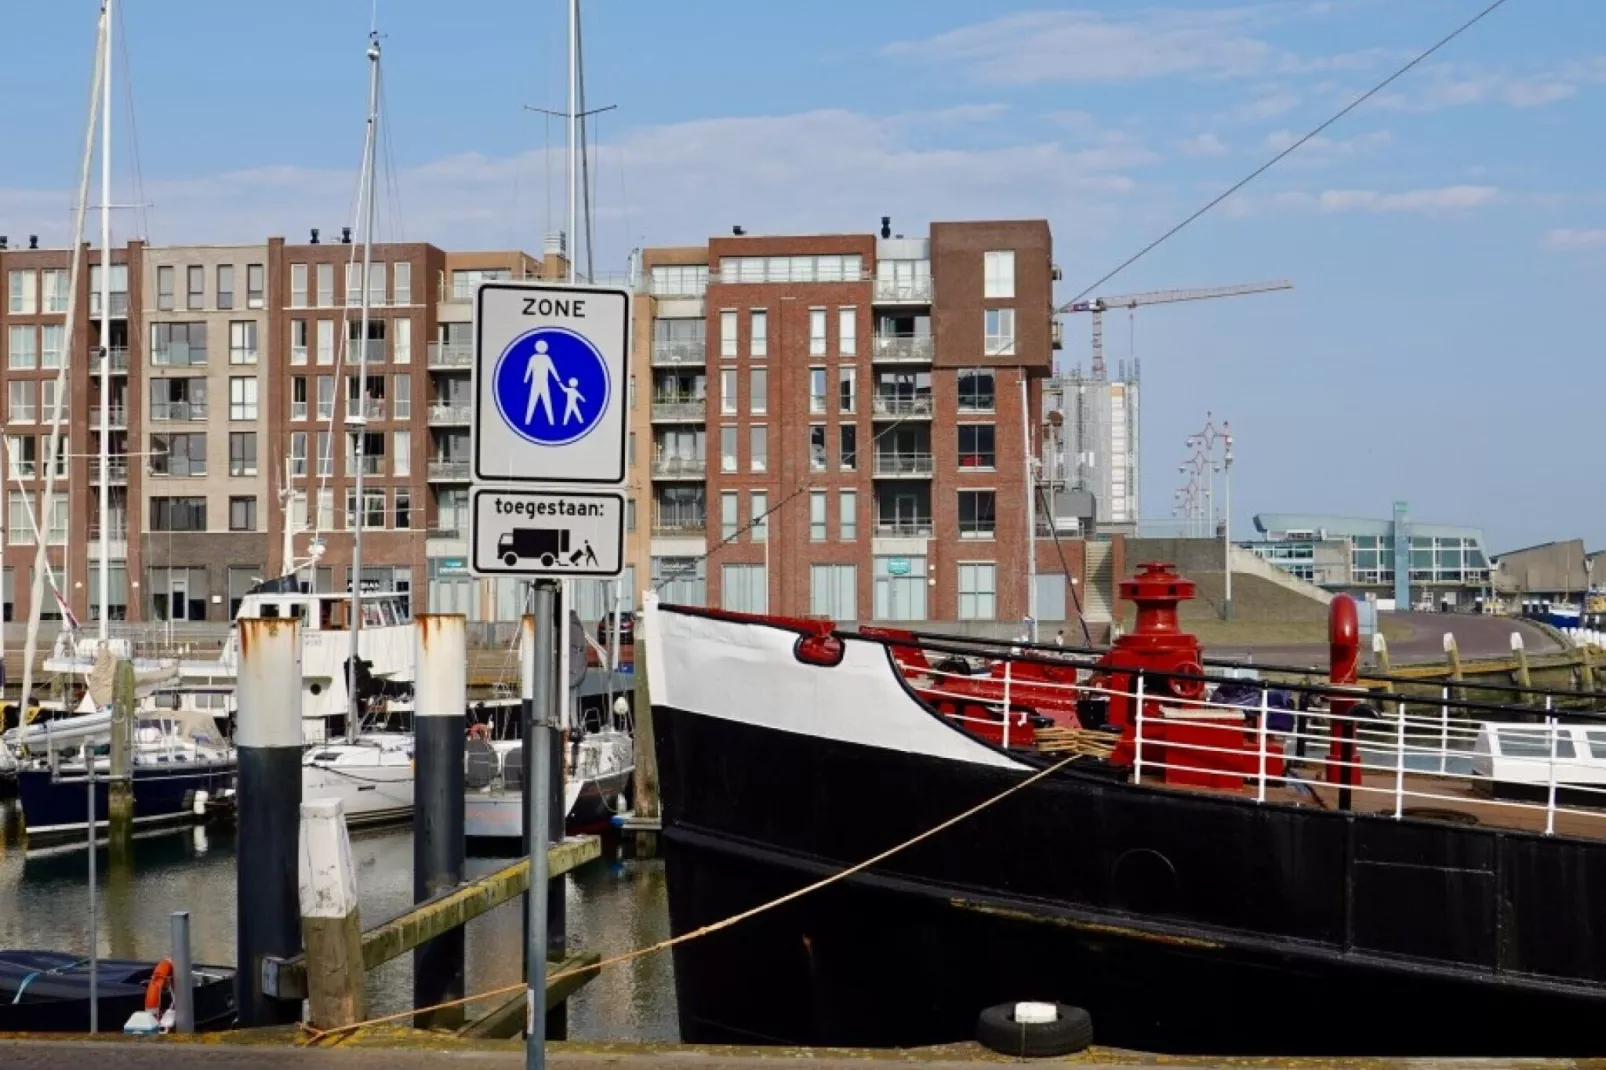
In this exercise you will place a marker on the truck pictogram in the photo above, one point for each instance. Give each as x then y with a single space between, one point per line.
547 544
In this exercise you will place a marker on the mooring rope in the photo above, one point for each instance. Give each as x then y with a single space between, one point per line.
316 1036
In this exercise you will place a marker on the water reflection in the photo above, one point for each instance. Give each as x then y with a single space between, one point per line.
613 906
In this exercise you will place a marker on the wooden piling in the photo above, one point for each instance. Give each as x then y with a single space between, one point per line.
120 791
646 775
1453 653
1524 678
331 925
1380 654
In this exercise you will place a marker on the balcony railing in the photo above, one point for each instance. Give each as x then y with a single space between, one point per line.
445 355
676 407
118 416
118 469
448 471
178 354
679 467
116 532
119 358
898 405
119 303
680 525
163 411
903 464
371 409
910 348
375 350
904 527
671 354
373 464
449 415
897 291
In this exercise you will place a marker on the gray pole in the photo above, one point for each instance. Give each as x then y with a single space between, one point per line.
1226 533
442 694
538 658
268 738
94 904
565 723
183 980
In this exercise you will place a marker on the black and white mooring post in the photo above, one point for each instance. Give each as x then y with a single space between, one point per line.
538 675
440 698
268 740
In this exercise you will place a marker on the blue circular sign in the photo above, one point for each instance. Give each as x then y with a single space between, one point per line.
551 386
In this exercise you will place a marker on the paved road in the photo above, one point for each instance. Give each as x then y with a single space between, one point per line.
1476 636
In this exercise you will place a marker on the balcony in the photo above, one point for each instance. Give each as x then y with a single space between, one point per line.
177 411
374 350
118 470
904 527
672 525
679 354
903 464
678 407
903 291
119 303
117 417
177 355
903 349
371 409
447 356
450 415
119 359
448 471
679 467
899 406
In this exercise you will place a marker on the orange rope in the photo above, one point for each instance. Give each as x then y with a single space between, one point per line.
316 1035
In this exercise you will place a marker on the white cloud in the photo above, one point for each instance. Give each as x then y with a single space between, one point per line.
1325 147
1569 240
1202 145
1440 200
1268 105
1456 85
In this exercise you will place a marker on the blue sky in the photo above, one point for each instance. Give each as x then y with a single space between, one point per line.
1447 241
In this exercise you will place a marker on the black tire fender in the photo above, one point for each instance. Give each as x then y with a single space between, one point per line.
1070 1032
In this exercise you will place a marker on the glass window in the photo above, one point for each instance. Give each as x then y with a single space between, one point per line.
728 511
24 292
403 329
1000 330
727 448
20 401
727 391
846 383
55 289
848 515
243 342
977 514
326 396
998 274
225 286
298 453
816 516
727 334
243 514
403 281
402 453
19 517
758 391
760 521
242 399
976 391
52 345
817 391
326 285
848 455
47 403
833 591
376 284
817 448
742 589
759 344
256 286
404 397
196 289
847 331
816 332
164 289
242 453
977 591
353 284
326 341
976 446
758 441
23 350
1534 742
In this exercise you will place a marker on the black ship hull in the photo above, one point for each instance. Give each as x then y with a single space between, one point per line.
163 795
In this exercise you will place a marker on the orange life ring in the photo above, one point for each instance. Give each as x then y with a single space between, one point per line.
161 977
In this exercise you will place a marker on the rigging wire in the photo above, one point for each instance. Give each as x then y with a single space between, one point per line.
1269 164
140 203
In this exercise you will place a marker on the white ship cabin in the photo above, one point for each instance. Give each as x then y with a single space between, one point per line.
321 610
1537 755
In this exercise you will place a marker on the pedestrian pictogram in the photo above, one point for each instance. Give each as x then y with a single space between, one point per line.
549 384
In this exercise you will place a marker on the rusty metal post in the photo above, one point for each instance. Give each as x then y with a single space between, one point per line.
441 697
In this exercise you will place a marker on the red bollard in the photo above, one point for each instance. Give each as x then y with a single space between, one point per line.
1344 652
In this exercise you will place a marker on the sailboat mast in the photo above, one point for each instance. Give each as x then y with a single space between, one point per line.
360 421
105 328
574 127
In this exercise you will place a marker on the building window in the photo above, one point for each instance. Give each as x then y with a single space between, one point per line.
52 344
758 345
727 334
678 280
256 286
403 402
847 515
680 580
178 344
47 402
22 456
727 392
20 401
816 332
816 391
326 397
372 444
298 341
630 514
998 274
727 448
404 496
23 350
54 286
24 292
816 516
298 286
225 286
178 514
847 331
758 391
978 591
976 391
326 459
164 289
1000 340
326 341
404 340
197 288
817 460
178 455
242 399
376 284
19 518
178 399
976 446
243 342
848 456
742 589
326 285
402 453
298 453
758 447
760 519
834 591
353 284
827 268
847 381
243 514
977 514
242 453
403 282
728 523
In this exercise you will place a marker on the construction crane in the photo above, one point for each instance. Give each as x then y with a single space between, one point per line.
1100 305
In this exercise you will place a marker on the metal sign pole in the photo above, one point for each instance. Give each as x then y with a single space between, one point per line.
94 907
540 663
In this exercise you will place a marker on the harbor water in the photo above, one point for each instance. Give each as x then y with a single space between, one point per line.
614 905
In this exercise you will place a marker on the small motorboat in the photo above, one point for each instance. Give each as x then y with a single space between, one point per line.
48 992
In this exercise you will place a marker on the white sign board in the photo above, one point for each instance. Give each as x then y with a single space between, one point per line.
550 383
519 531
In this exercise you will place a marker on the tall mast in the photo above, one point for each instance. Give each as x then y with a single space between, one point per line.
360 421
105 327
574 127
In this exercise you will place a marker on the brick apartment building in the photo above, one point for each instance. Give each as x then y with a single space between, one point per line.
866 394
867 389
